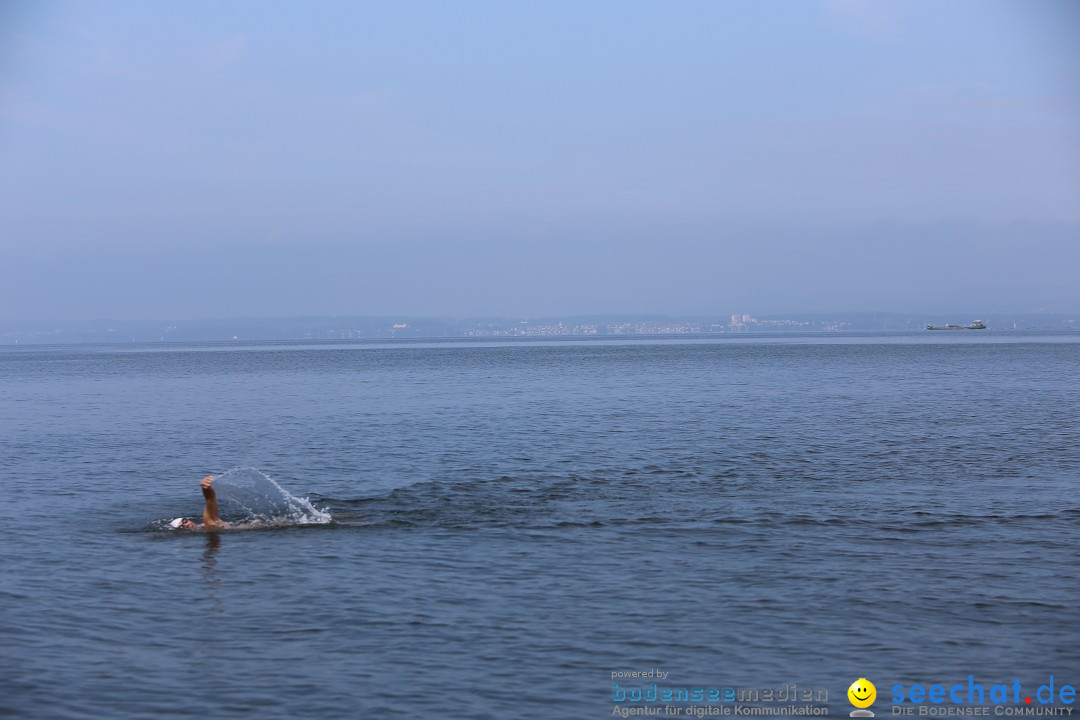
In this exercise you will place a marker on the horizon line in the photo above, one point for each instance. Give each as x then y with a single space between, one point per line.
539 317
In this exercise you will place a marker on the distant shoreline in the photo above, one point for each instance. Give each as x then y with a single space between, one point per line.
378 330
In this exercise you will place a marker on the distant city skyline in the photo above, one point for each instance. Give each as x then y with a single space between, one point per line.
218 160
581 326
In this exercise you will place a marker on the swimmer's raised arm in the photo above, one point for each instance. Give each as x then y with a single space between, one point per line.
210 512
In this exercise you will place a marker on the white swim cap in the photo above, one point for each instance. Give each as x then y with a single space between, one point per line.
177 523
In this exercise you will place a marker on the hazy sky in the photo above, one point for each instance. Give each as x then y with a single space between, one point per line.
217 159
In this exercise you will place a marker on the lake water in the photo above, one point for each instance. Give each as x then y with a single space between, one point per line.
515 522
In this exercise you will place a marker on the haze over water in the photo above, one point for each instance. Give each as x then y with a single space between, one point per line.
513 522
254 159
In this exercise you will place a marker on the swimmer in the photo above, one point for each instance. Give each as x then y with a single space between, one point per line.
211 520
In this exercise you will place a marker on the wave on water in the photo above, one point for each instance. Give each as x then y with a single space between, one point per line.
248 496
674 498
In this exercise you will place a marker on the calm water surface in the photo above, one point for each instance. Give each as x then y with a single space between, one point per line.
515 521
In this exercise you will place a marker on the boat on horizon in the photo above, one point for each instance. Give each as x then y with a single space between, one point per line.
976 325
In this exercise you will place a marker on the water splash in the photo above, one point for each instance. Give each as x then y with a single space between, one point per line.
246 495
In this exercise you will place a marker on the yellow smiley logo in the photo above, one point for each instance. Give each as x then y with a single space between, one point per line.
862 693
